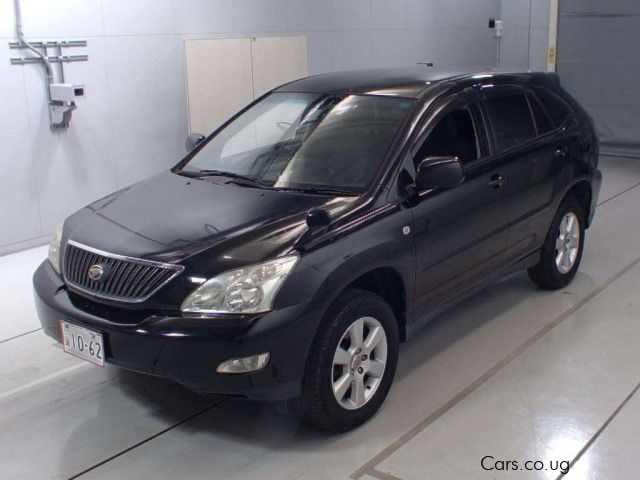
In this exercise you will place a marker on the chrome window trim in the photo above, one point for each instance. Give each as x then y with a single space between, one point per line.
178 269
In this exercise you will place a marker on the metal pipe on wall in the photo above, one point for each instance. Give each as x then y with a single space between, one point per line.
24 42
42 56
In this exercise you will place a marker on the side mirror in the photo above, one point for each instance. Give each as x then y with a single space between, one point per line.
193 141
439 172
318 218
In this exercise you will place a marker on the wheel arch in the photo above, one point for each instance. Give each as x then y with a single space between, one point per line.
388 281
583 193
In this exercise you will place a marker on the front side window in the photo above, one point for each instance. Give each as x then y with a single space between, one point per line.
512 121
453 136
307 141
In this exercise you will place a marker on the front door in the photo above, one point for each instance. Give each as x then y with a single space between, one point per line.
460 232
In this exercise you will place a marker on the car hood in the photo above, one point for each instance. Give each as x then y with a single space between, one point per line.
170 217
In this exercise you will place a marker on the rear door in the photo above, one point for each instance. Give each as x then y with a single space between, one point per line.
526 142
460 232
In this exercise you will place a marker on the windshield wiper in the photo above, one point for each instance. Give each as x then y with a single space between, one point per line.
320 191
252 182
242 179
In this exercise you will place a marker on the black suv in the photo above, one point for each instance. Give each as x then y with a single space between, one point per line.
293 249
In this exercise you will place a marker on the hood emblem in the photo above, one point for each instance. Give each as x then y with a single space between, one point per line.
96 272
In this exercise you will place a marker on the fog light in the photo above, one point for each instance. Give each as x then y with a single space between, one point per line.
244 365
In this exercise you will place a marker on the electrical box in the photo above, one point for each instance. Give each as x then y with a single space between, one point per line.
497 27
66 92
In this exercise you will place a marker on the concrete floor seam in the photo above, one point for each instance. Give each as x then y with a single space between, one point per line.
147 440
595 436
20 335
619 194
375 473
40 381
425 423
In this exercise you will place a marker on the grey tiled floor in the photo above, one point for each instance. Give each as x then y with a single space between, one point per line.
513 373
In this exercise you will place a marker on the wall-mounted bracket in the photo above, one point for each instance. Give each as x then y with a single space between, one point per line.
59 110
498 32
54 59
51 44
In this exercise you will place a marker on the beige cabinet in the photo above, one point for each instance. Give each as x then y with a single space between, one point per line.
224 75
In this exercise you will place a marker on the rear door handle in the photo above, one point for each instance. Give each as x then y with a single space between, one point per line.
586 143
497 181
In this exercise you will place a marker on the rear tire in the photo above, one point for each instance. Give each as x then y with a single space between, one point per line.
561 253
351 364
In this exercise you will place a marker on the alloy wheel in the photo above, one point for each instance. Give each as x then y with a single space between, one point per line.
567 243
359 363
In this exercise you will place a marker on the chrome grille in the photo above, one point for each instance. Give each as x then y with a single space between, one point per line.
125 279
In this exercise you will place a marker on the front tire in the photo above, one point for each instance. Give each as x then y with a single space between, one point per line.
351 364
562 251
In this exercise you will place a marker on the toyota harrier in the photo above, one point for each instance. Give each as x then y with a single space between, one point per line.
292 250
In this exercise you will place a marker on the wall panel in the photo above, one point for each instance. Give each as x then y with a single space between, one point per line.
220 81
277 60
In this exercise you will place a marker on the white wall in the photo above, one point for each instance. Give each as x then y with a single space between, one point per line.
526 34
134 119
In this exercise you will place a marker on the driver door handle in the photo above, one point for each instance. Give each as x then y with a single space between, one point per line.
497 181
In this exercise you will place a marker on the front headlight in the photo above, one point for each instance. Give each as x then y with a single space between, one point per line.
54 249
245 290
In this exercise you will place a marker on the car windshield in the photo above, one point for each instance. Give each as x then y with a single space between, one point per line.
305 141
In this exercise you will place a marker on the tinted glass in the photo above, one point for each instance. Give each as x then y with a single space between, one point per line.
543 121
557 108
453 136
512 120
301 140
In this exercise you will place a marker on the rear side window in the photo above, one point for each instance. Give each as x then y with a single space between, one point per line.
512 121
557 108
543 121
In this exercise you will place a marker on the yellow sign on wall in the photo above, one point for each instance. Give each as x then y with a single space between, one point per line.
552 56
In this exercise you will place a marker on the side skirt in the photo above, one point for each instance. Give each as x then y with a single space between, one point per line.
522 264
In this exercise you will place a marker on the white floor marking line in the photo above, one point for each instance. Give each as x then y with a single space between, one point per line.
42 380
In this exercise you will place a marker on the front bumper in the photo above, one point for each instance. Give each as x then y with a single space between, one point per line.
188 350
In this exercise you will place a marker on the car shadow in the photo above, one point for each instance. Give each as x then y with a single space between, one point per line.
463 319
433 338
230 426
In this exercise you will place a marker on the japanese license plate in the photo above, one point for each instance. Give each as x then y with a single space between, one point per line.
83 343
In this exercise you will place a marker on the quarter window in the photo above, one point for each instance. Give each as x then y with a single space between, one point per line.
557 107
512 121
543 122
